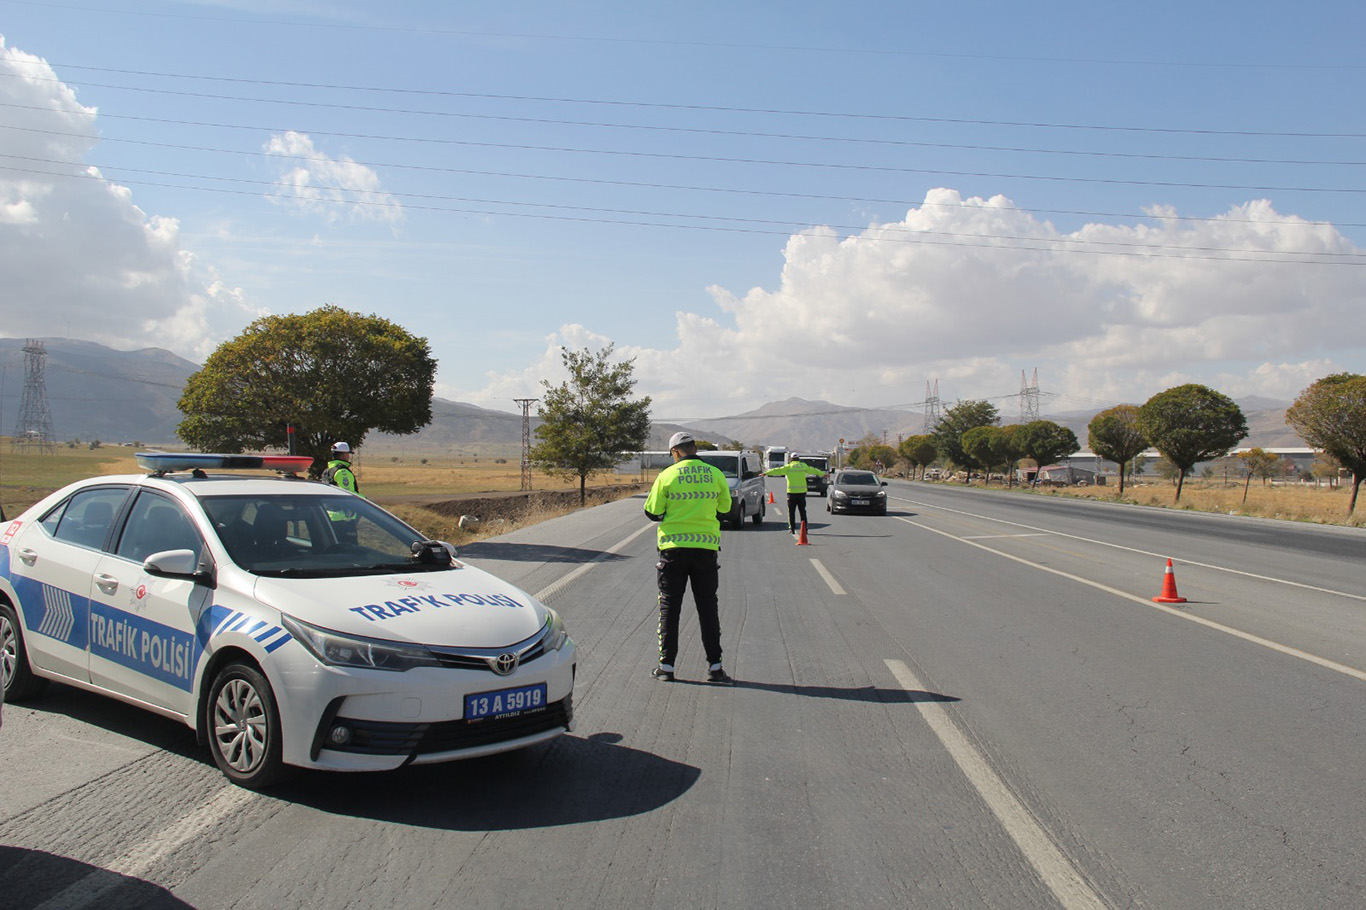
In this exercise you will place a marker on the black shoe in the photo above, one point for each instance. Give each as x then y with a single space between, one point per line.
720 677
662 674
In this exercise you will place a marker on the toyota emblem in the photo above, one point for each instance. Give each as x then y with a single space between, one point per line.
504 664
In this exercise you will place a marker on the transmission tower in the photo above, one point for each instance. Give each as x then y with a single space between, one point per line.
1029 398
526 404
932 415
34 429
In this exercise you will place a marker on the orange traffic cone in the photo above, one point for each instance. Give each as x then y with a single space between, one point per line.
1169 595
770 496
801 538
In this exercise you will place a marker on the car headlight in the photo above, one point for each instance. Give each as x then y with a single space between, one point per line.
338 650
840 495
555 636
881 494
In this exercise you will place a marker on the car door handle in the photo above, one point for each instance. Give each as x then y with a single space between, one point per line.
28 557
107 583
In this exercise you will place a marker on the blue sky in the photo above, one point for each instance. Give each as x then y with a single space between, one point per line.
754 201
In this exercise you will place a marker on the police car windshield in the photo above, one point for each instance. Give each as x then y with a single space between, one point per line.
292 536
728 465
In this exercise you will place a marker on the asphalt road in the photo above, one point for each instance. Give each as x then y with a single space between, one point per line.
972 702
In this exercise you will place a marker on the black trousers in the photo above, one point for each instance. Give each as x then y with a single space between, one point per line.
796 502
675 569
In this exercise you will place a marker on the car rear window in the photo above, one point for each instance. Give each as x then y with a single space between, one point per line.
726 464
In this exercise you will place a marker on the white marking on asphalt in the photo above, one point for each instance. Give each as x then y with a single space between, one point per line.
829 579
1191 617
556 587
1106 543
1056 871
1003 536
143 857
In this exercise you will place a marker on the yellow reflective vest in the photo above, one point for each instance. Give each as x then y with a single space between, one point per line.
796 473
687 499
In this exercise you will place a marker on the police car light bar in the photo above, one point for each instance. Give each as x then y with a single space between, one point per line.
163 462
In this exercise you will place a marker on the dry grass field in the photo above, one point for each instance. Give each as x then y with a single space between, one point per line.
1290 502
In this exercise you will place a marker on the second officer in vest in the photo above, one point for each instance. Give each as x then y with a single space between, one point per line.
687 499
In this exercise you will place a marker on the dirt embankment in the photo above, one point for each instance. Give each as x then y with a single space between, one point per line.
517 505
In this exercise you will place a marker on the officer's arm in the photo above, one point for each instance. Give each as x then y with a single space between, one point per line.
656 500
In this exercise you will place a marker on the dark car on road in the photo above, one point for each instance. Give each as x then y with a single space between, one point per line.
857 491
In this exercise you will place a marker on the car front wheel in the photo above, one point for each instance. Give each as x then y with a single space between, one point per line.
740 518
16 676
244 727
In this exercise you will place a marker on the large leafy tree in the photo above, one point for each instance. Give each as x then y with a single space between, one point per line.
1191 423
1044 441
918 451
957 420
991 447
1113 434
589 421
332 374
1330 415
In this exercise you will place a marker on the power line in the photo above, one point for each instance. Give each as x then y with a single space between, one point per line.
1221 219
1010 243
641 127
675 156
715 108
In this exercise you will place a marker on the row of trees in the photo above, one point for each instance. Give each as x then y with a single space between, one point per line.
335 375
1187 424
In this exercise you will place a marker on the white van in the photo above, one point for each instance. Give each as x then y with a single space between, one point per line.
745 474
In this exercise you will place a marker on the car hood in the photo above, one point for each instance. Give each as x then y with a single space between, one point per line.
466 607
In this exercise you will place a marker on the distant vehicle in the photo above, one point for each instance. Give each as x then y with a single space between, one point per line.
857 491
818 485
745 475
775 456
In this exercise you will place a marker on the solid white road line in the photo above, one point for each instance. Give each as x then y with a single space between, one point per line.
144 856
1106 543
1056 871
829 579
1190 617
556 587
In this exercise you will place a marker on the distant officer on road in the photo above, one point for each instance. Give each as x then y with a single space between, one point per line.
339 474
687 500
796 472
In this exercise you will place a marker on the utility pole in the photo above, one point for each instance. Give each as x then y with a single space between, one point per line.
931 407
34 429
526 404
1029 398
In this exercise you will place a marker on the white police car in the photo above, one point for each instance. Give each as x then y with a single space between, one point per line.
287 622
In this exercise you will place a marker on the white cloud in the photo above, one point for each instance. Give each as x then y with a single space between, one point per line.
335 188
77 256
972 291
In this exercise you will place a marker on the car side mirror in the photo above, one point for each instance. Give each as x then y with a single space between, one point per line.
178 564
884 483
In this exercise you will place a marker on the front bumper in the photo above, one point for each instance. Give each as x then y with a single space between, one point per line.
873 507
417 716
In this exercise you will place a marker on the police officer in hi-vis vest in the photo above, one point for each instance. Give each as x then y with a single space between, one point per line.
796 472
687 500
340 474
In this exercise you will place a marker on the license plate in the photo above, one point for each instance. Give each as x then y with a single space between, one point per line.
858 502
505 702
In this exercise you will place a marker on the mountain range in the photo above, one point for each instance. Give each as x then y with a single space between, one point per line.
94 392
